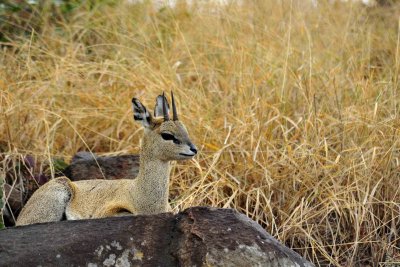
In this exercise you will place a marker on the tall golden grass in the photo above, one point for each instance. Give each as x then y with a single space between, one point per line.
295 110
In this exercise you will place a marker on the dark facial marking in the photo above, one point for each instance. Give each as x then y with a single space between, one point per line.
168 136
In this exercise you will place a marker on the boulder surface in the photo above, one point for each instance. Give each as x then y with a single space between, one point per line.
198 236
85 166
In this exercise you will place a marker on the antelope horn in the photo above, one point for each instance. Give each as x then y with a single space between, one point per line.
165 109
174 113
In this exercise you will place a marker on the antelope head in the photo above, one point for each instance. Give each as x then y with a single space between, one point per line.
164 138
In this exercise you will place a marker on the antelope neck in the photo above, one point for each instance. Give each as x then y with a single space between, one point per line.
151 185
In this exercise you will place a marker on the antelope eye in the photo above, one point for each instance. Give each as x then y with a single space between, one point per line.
167 136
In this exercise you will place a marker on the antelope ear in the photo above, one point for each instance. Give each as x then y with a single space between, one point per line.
140 113
158 109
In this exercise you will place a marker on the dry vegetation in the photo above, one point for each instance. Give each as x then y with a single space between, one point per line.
295 110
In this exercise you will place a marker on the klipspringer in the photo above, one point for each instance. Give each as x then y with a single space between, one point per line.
163 140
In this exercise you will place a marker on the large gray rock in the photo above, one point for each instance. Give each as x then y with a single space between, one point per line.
85 166
198 236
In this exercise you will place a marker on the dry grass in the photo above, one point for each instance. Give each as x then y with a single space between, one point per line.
295 110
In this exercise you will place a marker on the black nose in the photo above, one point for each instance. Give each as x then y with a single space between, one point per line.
193 148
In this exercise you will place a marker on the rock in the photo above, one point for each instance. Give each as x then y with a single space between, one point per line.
13 197
85 166
198 236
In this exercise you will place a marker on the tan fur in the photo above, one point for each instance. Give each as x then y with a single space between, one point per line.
146 194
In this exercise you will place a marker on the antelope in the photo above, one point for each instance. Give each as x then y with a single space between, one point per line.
164 140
